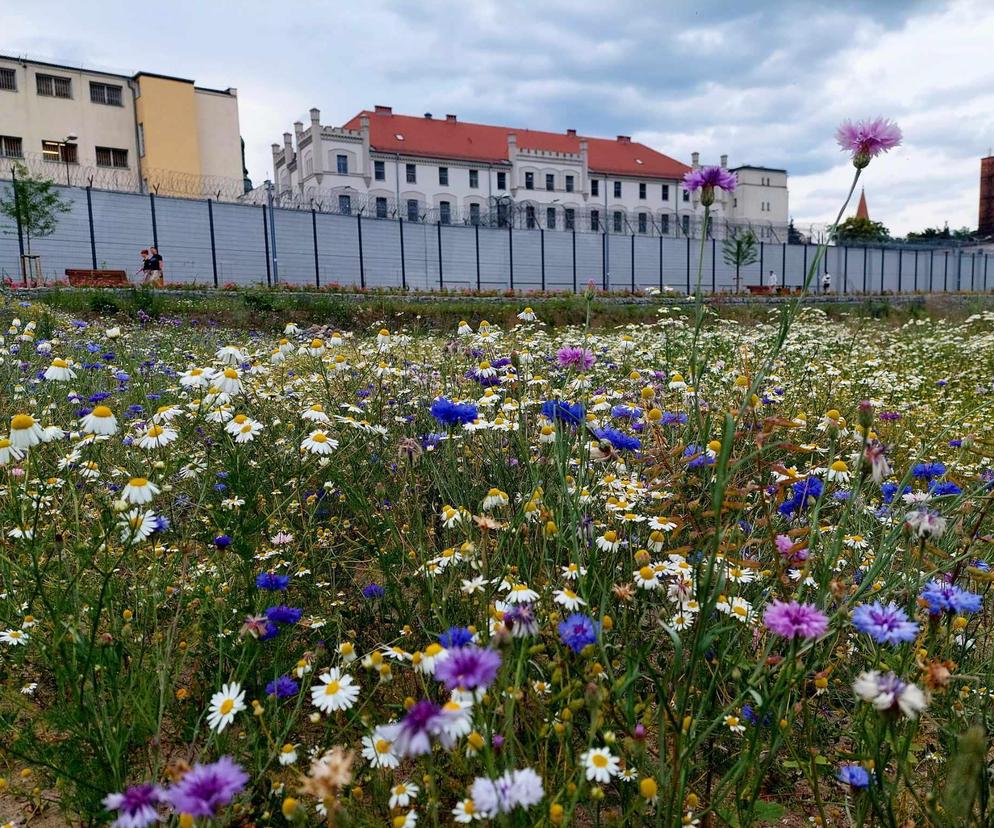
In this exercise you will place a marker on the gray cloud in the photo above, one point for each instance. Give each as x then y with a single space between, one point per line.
764 82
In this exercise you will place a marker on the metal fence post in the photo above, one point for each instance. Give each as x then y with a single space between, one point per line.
986 257
931 270
541 253
314 234
604 260
17 215
265 241
915 280
945 274
865 258
783 265
845 269
210 220
688 266
155 224
714 267
362 261
476 233
762 268
900 268
804 274
89 212
510 254
403 263
441 280
660 263
633 263
574 260
883 260
272 235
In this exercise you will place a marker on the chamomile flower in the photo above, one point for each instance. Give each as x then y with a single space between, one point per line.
319 442
14 638
25 431
403 794
569 599
138 491
378 750
225 705
336 691
600 764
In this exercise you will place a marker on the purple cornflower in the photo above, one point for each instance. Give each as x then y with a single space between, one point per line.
949 598
885 624
413 735
221 541
578 631
272 582
513 789
794 620
572 357
855 776
282 614
136 807
204 789
455 637
520 620
469 668
373 591
282 688
867 139
706 179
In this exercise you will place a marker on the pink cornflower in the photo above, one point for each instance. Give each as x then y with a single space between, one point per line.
867 139
572 357
794 620
706 179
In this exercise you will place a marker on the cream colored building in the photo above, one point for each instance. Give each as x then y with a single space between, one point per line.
143 132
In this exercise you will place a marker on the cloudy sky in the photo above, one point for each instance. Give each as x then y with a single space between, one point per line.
765 83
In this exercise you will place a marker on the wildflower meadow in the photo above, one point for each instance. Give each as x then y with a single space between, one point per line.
687 572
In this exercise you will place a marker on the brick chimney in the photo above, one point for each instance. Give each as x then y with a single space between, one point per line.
695 160
624 139
985 221
724 162
383 110
571 133
450 118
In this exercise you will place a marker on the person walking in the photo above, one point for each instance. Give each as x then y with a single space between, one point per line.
152 267
826 283
771 280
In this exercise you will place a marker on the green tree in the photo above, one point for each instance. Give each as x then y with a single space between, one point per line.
35 204
855 228
739 249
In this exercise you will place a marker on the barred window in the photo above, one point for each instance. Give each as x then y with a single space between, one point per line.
379 171
112 157
412 209
54 86
381 207
8 79
105 93
11 146
59 152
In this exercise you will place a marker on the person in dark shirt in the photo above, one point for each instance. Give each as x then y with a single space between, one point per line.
152 267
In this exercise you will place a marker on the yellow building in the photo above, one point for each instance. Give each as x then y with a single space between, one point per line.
144 132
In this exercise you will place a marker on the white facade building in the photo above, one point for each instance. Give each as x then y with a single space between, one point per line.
428 169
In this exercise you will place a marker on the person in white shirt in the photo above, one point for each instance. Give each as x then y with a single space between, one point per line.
826 283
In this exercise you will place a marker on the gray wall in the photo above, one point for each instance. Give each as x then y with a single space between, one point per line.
447 256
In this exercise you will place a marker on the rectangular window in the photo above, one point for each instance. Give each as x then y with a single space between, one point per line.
58 152
618 221
595 186
412 173
141 140
474 213
643 222
111 157
530 217
529 181
445 212
617 189
53 86
342 164
666 192
550 218
11 147
474 179
569 218
8 79
381 207
502 214
595 220
664 224
641 189
105 93
379 171
569 183
443 176
501 181
686 195
685 223
550 181
345 205
412 209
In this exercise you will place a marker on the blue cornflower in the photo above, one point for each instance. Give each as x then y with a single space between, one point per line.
854 775
945 487
671 418
942 597
452 413
282 614
222 541
455 637
700 455
889 491
272 582
927 471
283 688
626 412
567 412
804 492
578 631
622 442
373 591
885 624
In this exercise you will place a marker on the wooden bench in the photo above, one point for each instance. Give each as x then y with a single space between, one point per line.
97 278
